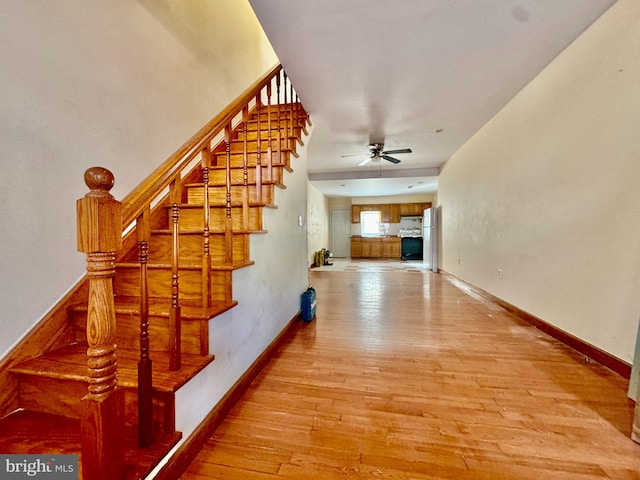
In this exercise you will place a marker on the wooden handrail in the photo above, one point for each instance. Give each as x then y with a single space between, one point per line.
134 203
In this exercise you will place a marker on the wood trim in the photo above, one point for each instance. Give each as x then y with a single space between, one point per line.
188 450
606 359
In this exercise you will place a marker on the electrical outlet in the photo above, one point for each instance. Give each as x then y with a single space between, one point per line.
500 274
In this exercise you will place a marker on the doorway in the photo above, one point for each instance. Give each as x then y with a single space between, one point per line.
340 233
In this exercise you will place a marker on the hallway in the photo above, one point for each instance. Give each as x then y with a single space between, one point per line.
404 376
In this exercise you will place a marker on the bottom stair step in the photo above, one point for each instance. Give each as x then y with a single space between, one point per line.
27 432
57 381
70 363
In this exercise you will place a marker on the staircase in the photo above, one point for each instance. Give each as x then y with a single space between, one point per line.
145 305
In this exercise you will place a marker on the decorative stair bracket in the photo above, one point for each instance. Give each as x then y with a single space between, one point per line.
99 218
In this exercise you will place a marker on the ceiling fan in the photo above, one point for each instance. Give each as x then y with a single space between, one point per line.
376 153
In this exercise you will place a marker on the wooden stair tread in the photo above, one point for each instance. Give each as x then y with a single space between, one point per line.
160 307
199 231
23 432
184 265
275 183
70 363
224 205
234 204
249 167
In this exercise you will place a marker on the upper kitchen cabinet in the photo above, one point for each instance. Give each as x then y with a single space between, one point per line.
410 209
355 213
413 209
390 213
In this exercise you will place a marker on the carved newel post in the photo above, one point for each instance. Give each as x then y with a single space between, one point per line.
100 237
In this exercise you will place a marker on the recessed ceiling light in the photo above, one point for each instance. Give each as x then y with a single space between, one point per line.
439 130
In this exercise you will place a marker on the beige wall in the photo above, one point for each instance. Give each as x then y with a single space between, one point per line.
118 84
548 191
318 215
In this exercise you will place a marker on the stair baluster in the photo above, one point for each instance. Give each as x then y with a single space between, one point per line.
175 327
279 137
291 112
245 170
100 237
228 230
145 382
269 138
259 152
288 128
206 247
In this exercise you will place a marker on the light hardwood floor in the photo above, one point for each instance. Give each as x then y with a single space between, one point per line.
404 376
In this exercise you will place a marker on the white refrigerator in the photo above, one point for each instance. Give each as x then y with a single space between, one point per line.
430 239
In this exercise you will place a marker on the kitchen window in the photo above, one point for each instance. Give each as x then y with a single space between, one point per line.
370 223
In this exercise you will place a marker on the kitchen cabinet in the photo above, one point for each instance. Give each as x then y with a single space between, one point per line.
413 209
371 247
390 213
391 247
355 213
356 247
375 247
410 209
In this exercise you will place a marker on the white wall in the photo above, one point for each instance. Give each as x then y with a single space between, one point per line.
318 220
120 84
549 191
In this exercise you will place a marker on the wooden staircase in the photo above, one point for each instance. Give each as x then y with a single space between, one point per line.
156 289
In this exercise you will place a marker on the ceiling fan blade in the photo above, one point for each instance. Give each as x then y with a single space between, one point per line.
354 155
402 150
391 159
364 162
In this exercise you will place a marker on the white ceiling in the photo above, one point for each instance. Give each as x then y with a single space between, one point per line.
419 74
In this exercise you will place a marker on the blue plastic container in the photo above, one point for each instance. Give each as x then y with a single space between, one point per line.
309 304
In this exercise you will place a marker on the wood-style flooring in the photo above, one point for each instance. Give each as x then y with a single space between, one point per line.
404 376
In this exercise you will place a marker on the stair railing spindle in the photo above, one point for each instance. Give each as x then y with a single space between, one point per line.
175 327
245 170
259 154
288 128
228 231
291 112
206 240
269 137
279 136
145 381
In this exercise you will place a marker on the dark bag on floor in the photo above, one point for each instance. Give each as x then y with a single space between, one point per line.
309 304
